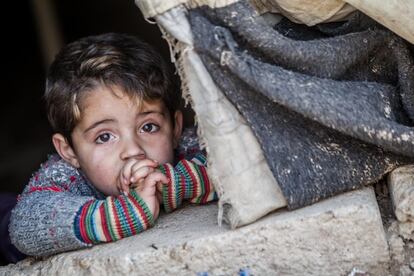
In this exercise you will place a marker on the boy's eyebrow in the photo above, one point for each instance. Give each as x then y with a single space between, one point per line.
151 111
98 123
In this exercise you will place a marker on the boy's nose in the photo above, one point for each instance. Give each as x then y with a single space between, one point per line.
132 149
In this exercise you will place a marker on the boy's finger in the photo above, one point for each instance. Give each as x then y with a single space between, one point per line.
125 188
160 186
126 171
132 165
144 163
122 190
119 185
162 178
159 197
149 187
139 185
155 178
140 173
122 185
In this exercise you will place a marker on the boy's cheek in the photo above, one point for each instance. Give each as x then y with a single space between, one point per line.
105 179
109 191
161 153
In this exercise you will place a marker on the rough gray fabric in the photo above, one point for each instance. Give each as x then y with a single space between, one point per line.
331 113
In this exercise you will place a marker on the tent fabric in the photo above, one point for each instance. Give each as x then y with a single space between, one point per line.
397 15
309 12
329 108
151 8
237 167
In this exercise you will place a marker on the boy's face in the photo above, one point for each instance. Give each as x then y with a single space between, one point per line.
115 128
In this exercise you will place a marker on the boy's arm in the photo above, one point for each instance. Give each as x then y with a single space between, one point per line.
45 223
188 180
112 219
49 218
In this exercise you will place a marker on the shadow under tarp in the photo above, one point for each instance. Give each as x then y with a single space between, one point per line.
332 106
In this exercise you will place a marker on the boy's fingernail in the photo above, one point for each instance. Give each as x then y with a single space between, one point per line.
132 179
155 161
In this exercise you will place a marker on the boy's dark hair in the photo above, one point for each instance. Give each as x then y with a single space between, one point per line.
110 60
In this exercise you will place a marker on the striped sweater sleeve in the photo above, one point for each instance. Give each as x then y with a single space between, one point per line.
112 219
188 180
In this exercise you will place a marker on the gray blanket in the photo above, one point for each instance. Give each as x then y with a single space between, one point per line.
332 106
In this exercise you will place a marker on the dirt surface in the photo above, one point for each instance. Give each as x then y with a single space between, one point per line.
401 250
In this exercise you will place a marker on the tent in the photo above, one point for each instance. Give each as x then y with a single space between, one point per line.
296 101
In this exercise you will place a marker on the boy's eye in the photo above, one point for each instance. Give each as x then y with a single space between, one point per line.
103 138
150 127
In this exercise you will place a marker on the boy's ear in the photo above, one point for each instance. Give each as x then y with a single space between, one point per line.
64 149
178 127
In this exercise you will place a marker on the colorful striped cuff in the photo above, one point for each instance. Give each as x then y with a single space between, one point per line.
188 180
172 194
112 219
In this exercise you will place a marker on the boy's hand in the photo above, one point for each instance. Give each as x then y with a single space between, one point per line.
147 190
133 172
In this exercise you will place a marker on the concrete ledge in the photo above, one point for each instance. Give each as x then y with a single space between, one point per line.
333 237
401 184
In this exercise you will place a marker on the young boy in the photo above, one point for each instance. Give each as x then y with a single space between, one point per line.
113 108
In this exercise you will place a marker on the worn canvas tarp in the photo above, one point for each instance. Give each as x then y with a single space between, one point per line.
292 114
